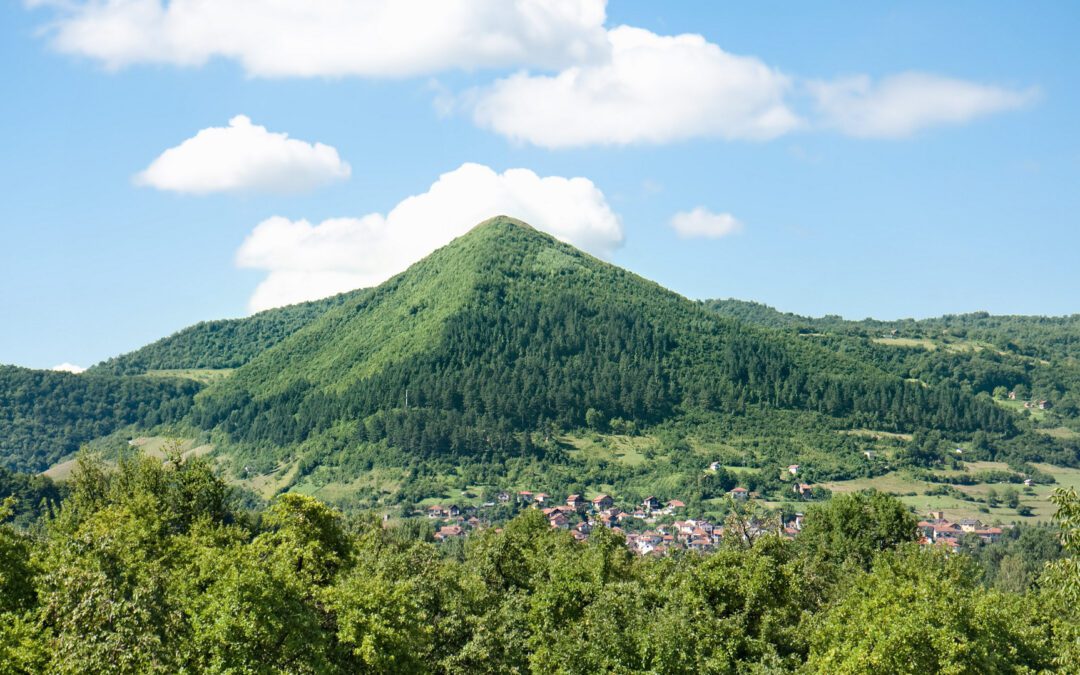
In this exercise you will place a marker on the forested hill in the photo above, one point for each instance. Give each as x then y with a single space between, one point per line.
1037 358
508 329
226 343
45 415
1045 337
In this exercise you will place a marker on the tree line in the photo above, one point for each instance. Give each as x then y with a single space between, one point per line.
151 568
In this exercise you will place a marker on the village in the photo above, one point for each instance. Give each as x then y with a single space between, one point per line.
654 527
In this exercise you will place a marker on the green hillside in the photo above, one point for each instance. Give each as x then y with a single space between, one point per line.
226 343
1035 357
45 415
507 329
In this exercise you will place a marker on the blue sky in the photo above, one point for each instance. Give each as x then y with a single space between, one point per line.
944 180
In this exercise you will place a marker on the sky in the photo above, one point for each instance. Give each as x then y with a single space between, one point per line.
167 163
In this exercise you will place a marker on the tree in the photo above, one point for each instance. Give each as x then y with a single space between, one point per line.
919 611
853 528
1062 581
17 591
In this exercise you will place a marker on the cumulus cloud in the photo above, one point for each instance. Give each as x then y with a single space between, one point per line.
243 157
901 105
373 38
703 223
68 368
307 261
652 89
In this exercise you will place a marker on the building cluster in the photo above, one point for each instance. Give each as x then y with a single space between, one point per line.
939 531
1041 404
580 516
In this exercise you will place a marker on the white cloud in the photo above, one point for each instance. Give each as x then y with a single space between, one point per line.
68 368
243 157
307 261
703 223
304 38
653 89
900 105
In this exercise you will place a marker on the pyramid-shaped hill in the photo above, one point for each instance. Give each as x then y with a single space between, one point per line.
508 328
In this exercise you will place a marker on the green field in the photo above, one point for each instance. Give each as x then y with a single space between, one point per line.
903 485
627 450
202 375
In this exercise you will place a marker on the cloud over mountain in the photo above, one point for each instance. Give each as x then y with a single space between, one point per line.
653 89
307 261
244 157
68 368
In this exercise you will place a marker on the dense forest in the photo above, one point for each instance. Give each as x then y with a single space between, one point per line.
508 329
45 415
1036 357
152 568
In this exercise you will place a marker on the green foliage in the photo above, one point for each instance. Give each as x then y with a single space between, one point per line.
45 415
228 343
16 571
487 338
1035 357
1063 580
34 496
920 612
147 568
853 528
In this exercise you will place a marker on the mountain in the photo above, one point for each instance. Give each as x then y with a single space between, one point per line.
496 345
507 329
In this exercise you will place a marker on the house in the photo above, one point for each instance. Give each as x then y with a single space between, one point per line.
715 466
673 506
1028 482
449 532
970 524
504 497
739 493
559 521
1043 405
525 497
540 497
576 502
1012 395
989 534
700 544
802 489
651 504
946 530
870 454
602 502
793 469
436 511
